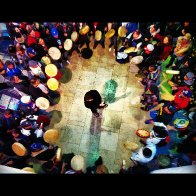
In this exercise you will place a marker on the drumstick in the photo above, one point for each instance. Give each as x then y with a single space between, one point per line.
157 107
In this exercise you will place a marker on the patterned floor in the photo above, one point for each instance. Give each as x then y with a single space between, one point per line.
92 137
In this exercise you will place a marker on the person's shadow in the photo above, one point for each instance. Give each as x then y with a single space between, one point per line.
95 127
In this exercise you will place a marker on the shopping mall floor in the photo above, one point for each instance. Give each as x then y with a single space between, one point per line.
91 137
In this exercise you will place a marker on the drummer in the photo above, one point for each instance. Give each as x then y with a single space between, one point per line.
134 39
113 39
83 38
103 28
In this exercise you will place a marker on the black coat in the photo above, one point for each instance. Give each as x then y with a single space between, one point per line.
92 94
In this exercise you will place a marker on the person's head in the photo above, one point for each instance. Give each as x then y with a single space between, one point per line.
153 28
101 169
153 89
9 64
147 152
186 94
186 24
35 81
160 132
152 68
31 52
32 33
41 41
189 78
54 32
48 166
34 147
8 113
15 133
26 125
15 79
167 40
1 64
47 30
136 34
19 37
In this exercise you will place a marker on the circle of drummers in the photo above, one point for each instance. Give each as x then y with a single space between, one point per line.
164 54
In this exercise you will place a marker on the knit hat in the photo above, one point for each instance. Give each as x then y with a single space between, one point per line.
187 93
35 147
54 32
31 51
190 76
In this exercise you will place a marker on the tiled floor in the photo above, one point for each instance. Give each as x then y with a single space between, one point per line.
92 137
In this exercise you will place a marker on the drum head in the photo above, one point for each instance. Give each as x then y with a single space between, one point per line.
137 60
110 33
143 133
51 70
122 31
46 60
19 149
74 36
84 30
68 44
55 53
51 136
77 163
52 84
98 35
28 169
42 103
130 145
129 50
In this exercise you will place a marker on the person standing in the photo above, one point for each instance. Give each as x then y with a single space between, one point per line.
93 101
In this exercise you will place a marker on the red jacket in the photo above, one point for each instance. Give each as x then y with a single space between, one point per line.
166 49
33 40
179 102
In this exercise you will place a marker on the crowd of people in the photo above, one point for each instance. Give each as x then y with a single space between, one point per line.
164 54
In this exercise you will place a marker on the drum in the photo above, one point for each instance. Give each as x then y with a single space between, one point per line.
74 36
98 35
163 160
55 53
42 103
181 123
51 136
143 133
28 169
52 84
68 44
136 60
77 163
51 70
130 145
110 33
129 50
122 31
46 60
84 30
19 149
